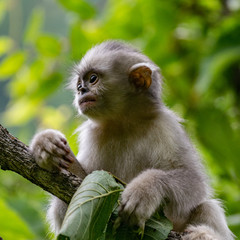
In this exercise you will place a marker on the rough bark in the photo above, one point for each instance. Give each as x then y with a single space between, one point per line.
15 156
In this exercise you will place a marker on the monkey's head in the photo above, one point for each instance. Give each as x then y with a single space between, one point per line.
114 80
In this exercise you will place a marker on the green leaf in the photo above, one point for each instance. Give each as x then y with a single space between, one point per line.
34 26
28 79
77 32
91 207
12 226
82 8
88 215
48 46
213 66
217 135
11 64
3 9
28 213
157 227
6 44
47 85
20 112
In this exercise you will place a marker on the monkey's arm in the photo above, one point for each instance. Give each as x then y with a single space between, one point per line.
172 189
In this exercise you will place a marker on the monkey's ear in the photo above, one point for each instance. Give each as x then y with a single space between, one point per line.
140 75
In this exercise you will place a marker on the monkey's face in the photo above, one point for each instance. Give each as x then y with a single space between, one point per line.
97 89
87 97
113 84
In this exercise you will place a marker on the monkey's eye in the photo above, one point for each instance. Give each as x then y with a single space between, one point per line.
79 86
93 78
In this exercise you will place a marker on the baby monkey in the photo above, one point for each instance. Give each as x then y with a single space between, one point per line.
132 134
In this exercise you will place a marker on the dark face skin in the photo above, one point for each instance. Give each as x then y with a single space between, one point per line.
85 86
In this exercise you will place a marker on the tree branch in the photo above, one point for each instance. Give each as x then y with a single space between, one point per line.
15 156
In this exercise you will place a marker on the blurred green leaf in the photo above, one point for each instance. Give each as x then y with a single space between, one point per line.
217 135
35 23
12 226
6 44
48 46
210 5
29 213
47 85
78 47
11 64
213 66
20 112
50 115
3 8
28 79
80 7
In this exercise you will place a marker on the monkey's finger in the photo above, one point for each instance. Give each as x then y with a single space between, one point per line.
59 153
64 164
124 213
63 146
134 221
131 220
54 163
117 223
59 163
63 140
120 209
66 146
69 158
56 150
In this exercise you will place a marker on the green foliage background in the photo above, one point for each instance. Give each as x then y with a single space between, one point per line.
196 44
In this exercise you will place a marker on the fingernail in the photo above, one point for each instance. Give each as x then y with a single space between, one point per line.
64 165
70 158
64 140
67 148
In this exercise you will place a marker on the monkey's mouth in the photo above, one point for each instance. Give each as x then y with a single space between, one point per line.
87 101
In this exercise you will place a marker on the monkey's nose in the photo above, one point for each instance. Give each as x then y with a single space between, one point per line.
84 90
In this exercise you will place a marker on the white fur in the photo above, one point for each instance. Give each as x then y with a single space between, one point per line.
147 64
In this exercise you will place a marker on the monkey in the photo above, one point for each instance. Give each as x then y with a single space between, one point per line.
131 133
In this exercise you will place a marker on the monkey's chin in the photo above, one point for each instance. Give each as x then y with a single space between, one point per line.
87 107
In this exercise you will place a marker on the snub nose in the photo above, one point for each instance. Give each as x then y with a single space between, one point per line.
83 90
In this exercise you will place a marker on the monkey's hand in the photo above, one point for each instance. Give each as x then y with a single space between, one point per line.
140 200
51 150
